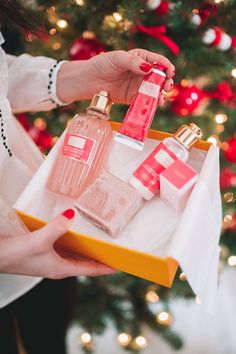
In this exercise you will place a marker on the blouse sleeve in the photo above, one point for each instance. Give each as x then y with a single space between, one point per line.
32 83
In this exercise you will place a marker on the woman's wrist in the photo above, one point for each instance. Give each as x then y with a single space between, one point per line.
72 81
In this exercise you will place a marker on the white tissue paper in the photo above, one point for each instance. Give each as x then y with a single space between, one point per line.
190 237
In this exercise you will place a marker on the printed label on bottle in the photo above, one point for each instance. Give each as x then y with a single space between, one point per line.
78 147
149 89
164 158
149 171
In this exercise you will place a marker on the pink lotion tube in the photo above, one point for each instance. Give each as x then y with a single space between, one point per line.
139 116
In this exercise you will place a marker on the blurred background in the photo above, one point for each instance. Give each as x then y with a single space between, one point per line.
123 312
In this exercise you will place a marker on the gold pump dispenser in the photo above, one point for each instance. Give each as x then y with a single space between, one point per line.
101 102
188 135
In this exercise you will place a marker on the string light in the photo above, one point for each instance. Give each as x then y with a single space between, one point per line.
124 339
52 17
85 338
56 45
220 128
51 9
224 145
79 2
117 16
182 277
198 300
164 318
232 260
184 82
140 342
40 123
229 197
213 139
221 118
152 297
62 24
88 35
228 218
52 31
233 73
54 140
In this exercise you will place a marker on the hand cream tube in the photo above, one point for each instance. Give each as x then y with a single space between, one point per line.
139 116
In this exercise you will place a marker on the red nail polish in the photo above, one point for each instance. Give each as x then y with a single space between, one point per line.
173 73
145 67
69 213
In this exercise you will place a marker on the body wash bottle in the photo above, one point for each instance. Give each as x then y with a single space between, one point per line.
84 150
146 178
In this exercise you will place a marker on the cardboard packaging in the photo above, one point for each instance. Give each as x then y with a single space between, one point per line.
176 184
157 239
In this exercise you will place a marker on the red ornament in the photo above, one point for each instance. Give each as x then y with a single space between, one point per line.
217 38
41 137
161 7
230 151
85 48
23 119
186 99
226 178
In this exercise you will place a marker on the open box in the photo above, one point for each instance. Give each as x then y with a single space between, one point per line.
158 268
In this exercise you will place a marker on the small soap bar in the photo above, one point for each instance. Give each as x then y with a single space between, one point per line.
176 184
109 203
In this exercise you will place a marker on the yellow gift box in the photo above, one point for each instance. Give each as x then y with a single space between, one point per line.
153 268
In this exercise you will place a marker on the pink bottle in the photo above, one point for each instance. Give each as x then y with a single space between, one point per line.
146 178
84 150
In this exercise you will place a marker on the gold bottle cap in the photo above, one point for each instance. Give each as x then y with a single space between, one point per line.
101 102
188 135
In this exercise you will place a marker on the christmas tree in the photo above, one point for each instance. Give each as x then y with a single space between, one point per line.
199 37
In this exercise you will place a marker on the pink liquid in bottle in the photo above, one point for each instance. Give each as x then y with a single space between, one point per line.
85 149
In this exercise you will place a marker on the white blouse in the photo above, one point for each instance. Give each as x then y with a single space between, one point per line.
24 82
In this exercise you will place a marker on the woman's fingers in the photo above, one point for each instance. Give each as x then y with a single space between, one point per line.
150 57
57 227
162 99
76 267
168 86
139 61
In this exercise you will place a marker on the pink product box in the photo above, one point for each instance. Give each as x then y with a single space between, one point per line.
176 184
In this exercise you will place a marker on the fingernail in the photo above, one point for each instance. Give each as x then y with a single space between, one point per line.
145 67
69 214
173 73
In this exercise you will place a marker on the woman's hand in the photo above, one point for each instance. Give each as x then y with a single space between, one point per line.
118 72
34 254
